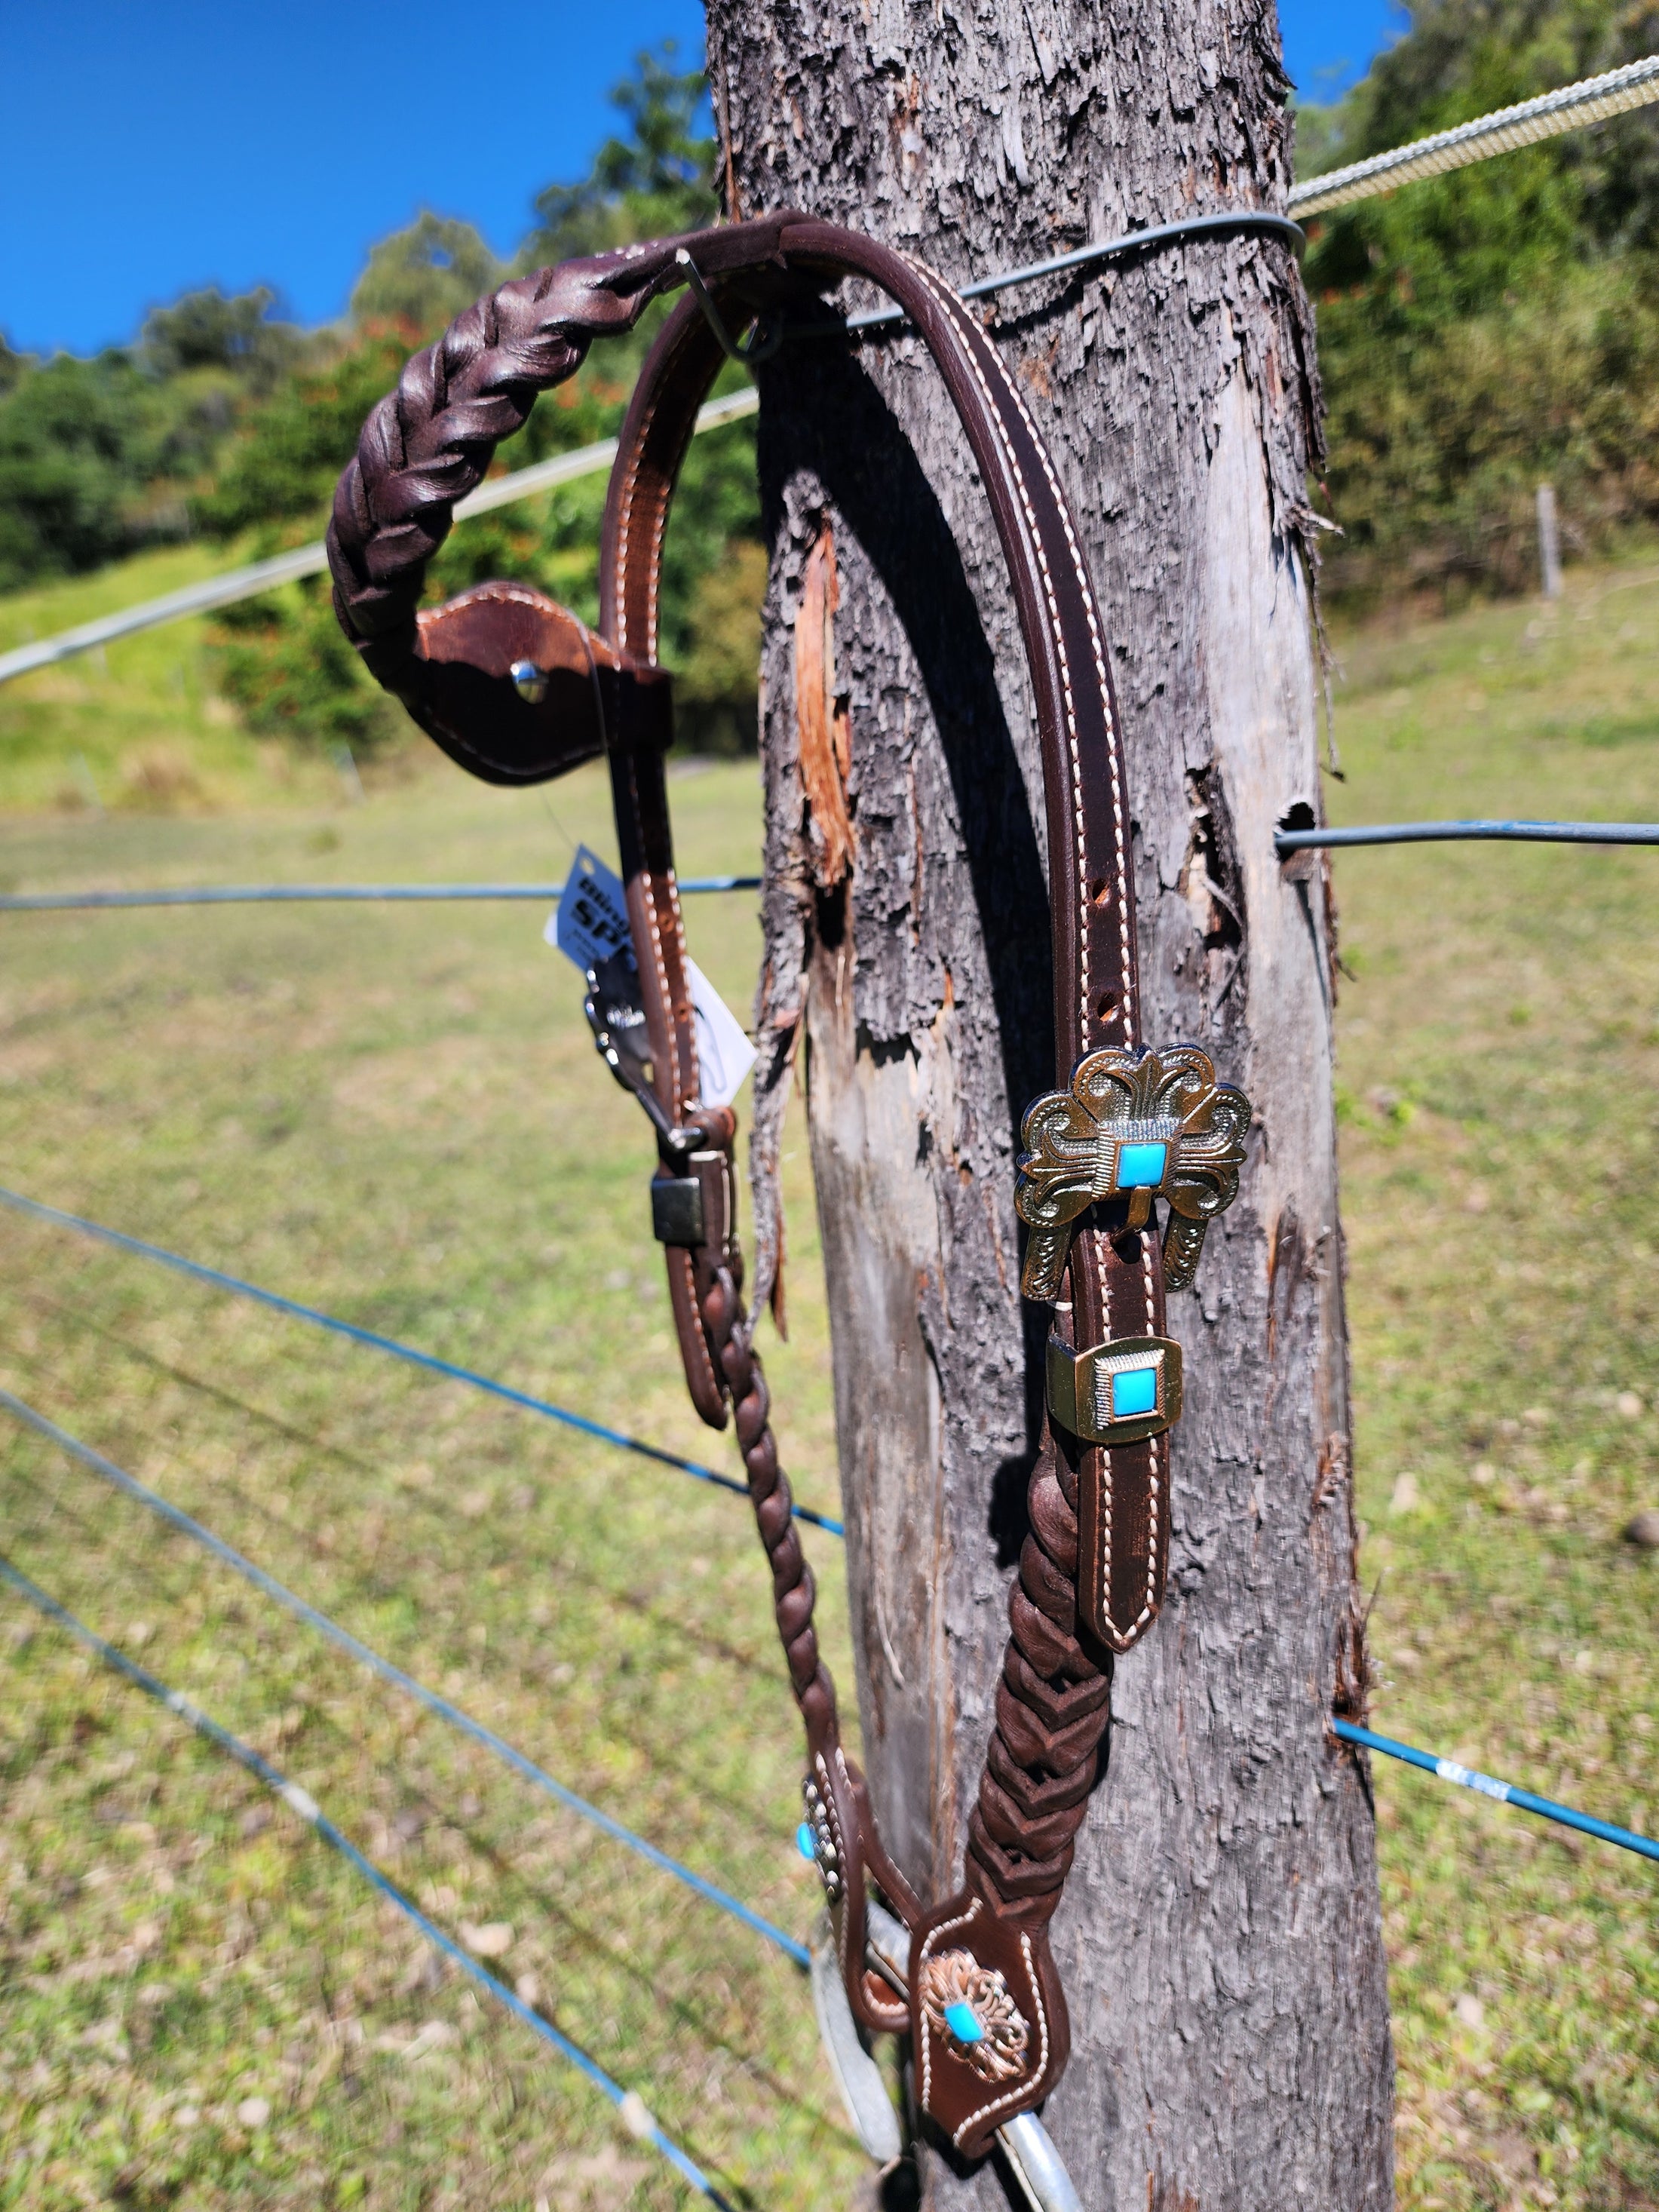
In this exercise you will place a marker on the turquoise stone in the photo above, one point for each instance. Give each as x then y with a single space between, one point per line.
1140 1167
963 2023
1134 1390
805 1841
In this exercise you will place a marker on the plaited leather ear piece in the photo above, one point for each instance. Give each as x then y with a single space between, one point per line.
517 688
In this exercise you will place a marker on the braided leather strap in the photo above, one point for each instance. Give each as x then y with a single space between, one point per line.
1092 1571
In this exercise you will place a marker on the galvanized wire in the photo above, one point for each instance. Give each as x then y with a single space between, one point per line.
1593 100
248 583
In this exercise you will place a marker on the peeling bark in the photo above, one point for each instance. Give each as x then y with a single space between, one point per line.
1219 1938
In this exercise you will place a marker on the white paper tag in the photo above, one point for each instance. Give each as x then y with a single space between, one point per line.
591 923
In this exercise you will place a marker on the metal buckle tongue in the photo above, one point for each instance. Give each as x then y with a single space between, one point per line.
617 1021
1027 2147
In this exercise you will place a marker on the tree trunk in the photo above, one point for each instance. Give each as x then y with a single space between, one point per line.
1219 1938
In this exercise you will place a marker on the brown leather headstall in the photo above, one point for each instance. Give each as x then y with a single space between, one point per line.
517 689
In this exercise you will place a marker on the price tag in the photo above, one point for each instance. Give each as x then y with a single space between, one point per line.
590 924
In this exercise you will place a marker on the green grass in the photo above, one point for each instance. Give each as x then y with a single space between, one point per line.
396 1114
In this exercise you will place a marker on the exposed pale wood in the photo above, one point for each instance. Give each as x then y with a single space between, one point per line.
1220 1935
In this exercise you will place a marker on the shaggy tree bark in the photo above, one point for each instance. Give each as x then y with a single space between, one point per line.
1219 1937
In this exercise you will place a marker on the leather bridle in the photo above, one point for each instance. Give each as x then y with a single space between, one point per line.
517 690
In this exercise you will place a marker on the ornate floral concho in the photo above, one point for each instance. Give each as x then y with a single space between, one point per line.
968 2009
1135 1126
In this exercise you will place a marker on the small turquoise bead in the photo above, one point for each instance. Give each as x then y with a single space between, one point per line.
1140 1167
1134 1391
805 1841
963 2023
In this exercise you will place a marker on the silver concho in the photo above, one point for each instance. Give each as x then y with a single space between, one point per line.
825 1856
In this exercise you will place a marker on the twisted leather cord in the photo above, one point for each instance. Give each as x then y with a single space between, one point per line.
429 443
1054 1709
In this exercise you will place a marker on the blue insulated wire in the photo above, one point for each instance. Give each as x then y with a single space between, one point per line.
406 1352
1502 1792
346 1641
322 894
1442 833
299 1801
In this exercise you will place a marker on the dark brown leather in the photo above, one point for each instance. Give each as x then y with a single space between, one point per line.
460 687
1092 1571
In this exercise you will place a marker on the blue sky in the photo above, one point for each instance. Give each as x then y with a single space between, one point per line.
153 147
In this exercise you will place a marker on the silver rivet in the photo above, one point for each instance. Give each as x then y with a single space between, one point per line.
529 681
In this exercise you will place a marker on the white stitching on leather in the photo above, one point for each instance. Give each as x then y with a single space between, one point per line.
928 1942
952 307
1105 696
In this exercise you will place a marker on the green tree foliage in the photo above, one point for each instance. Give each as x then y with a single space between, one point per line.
656 179
420 279
283 658
97 457
1481 331
236 336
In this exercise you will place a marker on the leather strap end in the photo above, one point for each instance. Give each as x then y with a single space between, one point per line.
989 2021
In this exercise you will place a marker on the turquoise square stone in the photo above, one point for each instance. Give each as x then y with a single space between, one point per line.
1140 1167
963 2023
805 1842
1134 1390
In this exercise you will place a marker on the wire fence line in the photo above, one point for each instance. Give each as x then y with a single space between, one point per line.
630 2106
260 576
1436 833
456 1716
1570 107
447 1369
326 894
1447 1770
1284 841
1501 1793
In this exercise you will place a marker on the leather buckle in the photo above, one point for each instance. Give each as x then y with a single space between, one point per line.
1118 1393
676 1209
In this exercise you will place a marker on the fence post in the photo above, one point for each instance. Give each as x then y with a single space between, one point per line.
1549 544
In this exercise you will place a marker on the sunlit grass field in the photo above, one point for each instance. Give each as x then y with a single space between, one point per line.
395 1113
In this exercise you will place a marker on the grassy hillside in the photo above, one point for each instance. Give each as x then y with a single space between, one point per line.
396 1114
138 726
